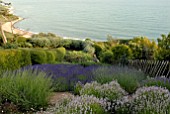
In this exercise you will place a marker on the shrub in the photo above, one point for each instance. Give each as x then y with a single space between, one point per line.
111 91
25 58
128 78
66 43
43 35
88 46
25 45
78 87
83 105
60 84
78 57
98 50
40 42
142 48
55 42
38 57
106 56
27 89
10 46
121 54
159 82
151 100
162 54
13 59
60 54
76 45
21 39
51 56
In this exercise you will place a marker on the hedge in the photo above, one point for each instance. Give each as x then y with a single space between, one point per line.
38 56
13 59
60 54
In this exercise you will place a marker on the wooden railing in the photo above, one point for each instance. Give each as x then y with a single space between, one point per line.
152 68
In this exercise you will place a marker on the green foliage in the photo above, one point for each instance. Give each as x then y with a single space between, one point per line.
51 55
25 58
163 53
43 35
129 79
55 42
40 42
10 46
76 45
25 45
142 48
77 88
164 42
128 82
27 89
98 50
112 41
60 54
14 59
21 39
60 84
78 57
106 56
88 46
121 54
38 57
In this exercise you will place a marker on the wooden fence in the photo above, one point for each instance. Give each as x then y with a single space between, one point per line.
152 68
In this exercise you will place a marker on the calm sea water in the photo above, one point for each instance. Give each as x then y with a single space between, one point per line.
95 18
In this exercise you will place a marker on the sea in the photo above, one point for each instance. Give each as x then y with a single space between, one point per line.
95 19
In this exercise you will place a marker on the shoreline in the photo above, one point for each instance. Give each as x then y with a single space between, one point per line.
9 27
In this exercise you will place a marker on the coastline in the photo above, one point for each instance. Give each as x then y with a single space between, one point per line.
9 27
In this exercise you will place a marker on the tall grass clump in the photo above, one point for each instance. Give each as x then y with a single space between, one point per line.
128 78
27 89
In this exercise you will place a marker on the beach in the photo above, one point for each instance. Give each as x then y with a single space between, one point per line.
9 27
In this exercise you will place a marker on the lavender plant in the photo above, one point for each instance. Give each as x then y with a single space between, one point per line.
128 78
65 76
111 91
151 100
83 105
28 90
158 81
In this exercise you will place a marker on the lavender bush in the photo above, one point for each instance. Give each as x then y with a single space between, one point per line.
151 100
128 78
83 105
65 76
111 91
158 81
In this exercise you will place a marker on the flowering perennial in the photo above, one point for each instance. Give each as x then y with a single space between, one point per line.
84 105
110 91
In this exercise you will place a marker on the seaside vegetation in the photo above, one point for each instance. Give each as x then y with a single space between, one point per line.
99 75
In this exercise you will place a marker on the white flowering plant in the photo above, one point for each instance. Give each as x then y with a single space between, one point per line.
151 100
146 100
110 91
84 105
